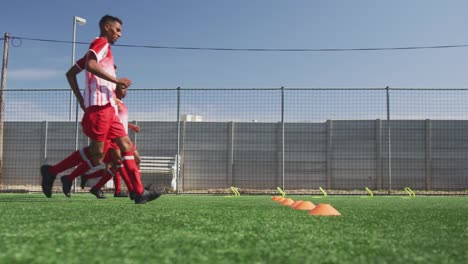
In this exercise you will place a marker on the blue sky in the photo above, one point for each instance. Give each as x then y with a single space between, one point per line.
248 24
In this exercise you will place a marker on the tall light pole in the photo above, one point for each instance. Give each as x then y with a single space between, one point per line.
80 21
2 100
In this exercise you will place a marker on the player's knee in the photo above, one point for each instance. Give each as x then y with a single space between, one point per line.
126 145
113 165
98 157
96 150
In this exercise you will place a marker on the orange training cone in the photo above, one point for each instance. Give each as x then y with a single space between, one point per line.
296 203
307 205
287 201
324 209
281 199
276 198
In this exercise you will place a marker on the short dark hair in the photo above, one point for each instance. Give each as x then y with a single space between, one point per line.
108 19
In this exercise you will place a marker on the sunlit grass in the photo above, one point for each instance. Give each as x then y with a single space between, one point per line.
216 229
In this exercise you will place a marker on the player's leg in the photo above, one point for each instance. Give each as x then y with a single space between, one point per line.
49 173
118 135
97 188
106 174
137 157
117 159
127 180
96 124
129 163
96 147
71 161
124 174
100 170
87 176
97 174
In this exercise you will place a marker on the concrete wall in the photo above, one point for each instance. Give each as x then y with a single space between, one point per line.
350 154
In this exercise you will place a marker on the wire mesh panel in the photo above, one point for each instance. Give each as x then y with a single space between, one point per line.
37 105
153 105
429 139
234 141
332 138
37 130
155 112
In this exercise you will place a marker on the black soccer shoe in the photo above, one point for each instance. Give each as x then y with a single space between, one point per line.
83 181
147 196
47 180
66 185
98 193
120 194
131 195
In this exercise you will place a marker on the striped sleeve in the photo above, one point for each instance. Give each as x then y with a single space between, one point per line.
99 47
81 63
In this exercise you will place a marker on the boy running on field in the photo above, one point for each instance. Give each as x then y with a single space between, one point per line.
99 122
114 156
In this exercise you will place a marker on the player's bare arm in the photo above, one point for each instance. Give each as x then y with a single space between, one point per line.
135 128
72 81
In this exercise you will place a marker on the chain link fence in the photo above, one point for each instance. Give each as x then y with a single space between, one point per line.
345 139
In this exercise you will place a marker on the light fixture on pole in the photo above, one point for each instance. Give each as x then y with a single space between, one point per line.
80 21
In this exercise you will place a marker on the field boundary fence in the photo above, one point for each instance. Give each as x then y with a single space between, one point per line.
257 139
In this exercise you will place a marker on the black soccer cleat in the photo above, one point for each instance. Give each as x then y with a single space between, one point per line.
47 180
98 193
120 194
66 185
83 181
147 196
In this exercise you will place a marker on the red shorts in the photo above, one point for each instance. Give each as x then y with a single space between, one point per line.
100 123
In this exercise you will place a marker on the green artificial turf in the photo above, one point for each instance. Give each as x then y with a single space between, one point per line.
217 229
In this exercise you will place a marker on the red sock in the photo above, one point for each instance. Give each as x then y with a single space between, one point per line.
133 172
95 174
105 178
125 177
117 181
81 169
71 161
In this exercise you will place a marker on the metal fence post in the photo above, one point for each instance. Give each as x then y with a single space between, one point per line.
2 100
282 138
135 135
76 135
378 155
329 155
46 129
428 147
389 142
230 163
178 141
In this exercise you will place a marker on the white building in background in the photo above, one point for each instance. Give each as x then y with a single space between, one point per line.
192 118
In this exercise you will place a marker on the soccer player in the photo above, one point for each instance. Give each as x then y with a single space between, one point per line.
114 156
99 122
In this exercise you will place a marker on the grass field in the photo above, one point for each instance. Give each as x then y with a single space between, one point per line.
216 229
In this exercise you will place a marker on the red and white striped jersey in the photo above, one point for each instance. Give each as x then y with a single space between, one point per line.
123 114
99 91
